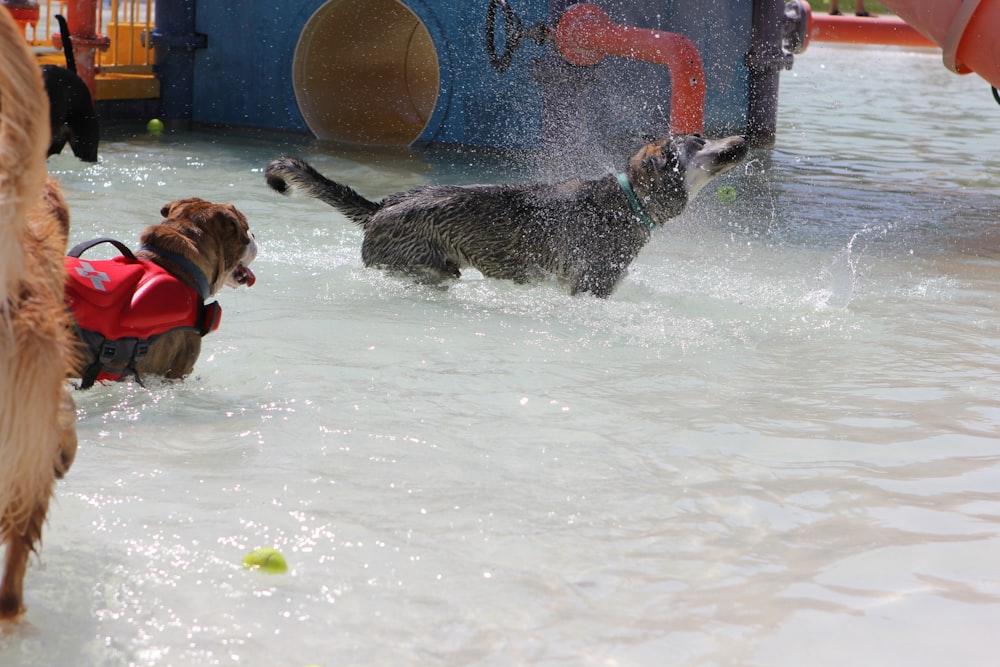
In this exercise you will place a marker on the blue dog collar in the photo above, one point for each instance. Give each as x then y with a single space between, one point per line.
633 201
204 291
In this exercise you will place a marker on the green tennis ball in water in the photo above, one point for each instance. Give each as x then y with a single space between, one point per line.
726 194
266 559
154 126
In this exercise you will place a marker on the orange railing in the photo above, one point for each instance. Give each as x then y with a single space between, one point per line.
37 20
110 38
128 23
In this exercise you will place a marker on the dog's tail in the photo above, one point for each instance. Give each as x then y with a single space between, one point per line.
287 173
67 43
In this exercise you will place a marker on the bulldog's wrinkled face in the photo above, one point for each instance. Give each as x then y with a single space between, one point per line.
217 237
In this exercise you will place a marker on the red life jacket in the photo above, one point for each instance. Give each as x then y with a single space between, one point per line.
122 305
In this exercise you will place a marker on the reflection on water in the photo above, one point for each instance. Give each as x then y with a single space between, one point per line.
775 445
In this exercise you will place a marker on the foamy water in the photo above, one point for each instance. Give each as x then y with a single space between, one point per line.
776 444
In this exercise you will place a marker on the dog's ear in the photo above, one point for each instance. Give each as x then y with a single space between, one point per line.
652 156
651 161
657 176
177 233
168 209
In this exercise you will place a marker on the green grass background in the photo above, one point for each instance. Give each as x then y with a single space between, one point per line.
847 6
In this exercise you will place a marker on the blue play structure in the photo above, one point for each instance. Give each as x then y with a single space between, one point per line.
473 72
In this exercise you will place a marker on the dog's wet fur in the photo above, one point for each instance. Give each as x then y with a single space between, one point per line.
584 232
37 348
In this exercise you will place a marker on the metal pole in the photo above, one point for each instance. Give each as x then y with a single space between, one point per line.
765 61
175 41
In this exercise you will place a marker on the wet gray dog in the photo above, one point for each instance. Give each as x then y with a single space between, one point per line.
586 233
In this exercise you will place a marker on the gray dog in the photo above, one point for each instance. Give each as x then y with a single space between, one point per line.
586 233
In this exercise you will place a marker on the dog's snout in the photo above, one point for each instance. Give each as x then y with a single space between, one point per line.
740 147
730 150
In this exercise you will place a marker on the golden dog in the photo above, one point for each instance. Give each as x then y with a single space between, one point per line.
37 415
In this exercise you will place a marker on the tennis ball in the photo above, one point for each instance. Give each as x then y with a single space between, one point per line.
154 126
267 559
726 194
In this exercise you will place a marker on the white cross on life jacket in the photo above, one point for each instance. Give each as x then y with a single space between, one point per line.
96 278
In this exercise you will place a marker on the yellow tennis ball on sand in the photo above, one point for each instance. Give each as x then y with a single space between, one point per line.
266 559
154 126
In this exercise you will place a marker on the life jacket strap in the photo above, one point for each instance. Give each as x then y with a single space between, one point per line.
83 246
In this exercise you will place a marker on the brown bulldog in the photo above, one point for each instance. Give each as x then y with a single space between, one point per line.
145 313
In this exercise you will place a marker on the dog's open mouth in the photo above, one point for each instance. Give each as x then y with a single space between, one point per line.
242 275
713 158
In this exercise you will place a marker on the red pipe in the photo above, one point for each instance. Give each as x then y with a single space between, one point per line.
585 35
884 30
81 16
25 13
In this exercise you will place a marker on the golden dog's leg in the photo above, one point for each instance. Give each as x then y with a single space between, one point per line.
19 548
13 576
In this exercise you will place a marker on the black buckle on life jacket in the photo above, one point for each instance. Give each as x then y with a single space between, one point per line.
211 317
122 350
122 354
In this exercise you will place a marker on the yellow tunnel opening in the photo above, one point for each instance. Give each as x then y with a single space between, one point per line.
366 72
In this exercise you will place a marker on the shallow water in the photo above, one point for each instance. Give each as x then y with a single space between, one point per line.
774 445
